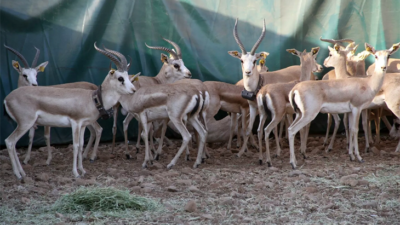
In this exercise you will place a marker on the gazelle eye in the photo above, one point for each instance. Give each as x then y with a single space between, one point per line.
176 66
376 57
121 79
25 76
241 61
330 55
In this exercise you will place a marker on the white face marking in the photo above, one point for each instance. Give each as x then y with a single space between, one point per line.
248 64
177 70
121 82
381 59
29 76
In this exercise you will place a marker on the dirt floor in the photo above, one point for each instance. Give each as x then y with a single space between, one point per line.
327 188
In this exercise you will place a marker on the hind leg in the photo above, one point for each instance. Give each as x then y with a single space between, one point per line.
98 130
80 157
160 144
28 153
328 128
233 126
47 139
126 122
114 129
337 123
202 134
186 136
90 142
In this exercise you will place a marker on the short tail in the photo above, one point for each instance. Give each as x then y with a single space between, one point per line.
292 101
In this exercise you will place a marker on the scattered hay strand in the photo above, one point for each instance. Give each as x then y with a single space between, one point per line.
101 199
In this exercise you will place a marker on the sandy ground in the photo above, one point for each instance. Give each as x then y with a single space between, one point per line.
326 189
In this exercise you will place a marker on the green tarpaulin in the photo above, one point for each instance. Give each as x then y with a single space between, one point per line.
65 30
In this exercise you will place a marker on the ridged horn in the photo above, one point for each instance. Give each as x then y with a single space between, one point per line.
20 56
174 55
111 56
333 41
253 50
237 39
36 57
124 63
177 48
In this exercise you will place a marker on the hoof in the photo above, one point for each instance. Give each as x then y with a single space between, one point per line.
24 162
237 156
144 166
367 150
293 166
157 157
169 167
329 150
351 159
304 156
137 150
128 156
361 161
196 166
269 164
260 161
207 156
151 162
187 157
203 160
91 161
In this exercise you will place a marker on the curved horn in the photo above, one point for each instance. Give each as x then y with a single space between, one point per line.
164 49
20 56
124 63
253 50
130 63
178 50
235 35
332 41
36 57
110 56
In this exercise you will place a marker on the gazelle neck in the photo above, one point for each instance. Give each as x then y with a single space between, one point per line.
340 69
251 82
110 97
306 70
376 79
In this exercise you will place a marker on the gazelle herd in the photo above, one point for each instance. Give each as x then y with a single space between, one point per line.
172 98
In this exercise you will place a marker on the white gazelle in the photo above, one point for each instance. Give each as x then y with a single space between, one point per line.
64 107
308 98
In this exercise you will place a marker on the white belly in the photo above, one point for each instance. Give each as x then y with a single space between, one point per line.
47 119
339 107
157 113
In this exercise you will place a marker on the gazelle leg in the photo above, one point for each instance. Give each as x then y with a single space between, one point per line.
160 144
114 129
28 152
143 121
260 130
98 130
356 117
365 128
75 139
139 136
272 125
327 129
337 123
186 136
386 122
202 134
346 127
253 113
126 122
80 158
378 126
47 139
239 131
89 144
233 127
10 142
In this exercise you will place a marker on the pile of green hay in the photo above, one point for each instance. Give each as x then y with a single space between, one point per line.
101 199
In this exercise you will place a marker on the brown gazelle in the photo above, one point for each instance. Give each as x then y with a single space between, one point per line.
274 98
308 98
27 77
62 107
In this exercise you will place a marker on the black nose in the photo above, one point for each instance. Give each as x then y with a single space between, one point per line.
383 68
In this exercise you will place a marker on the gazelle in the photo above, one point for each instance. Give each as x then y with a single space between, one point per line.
175 102
308 98
274 98
28 77
62 107
253 80
173 69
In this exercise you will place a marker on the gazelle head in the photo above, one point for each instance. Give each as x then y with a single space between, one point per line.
174 68
308 59
381 57
117 80
261 67
248 59
337 54
27 74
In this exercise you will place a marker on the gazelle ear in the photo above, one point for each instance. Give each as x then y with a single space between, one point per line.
135 78
262 62
394 48
41 67
336 47
314 51
16 66
262 55
293 51
235 54
354 50
369 48
164 58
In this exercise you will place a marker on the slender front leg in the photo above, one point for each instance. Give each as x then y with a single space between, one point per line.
386 122
327 129
163 130
233 127
138 137
75 140
28 153
185 139
47 139
253 113
98 130
239 131
89 144
143 121
114 129
80 157
337 123
356 117
378 126
260 130
346 127
365 128
126 122
202 135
